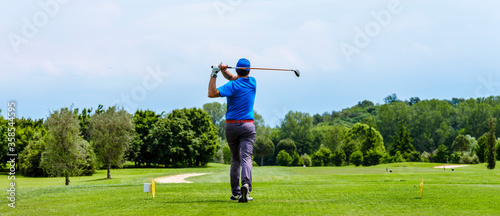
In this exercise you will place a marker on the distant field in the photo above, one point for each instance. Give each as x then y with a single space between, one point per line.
347 190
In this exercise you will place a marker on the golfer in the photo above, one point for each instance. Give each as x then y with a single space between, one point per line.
240 128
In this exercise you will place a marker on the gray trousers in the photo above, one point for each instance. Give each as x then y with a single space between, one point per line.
240 138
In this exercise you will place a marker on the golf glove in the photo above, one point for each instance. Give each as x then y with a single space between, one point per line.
215 70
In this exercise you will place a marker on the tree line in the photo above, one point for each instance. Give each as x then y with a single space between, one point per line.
396 131
71 142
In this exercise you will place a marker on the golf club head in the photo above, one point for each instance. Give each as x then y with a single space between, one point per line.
297 73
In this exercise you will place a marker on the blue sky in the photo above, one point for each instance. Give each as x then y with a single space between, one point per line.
157 55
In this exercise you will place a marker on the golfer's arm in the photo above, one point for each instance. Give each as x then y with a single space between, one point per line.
212 90
228 75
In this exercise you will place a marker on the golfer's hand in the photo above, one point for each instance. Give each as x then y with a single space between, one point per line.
215 70
222 67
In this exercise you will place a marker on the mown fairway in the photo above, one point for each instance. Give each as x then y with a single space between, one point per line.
277 191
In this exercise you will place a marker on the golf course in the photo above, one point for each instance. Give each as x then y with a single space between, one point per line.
232 107
348 190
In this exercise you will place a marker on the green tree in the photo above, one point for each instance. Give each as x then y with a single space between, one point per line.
397 158
498 150
389 117
296 160
263 147
227 154
432 124
84 118
334 137
492 140
306 160
402 143
87 163
217 113
288 145
339 157
441 154
111 132
321 157
455 157
3 140
31 157
63 145
364 138
349 148
356 158
260 127
391 99
297 126
472 114
139 150
372 157
186 137
482 149
283 158
461 144
372 149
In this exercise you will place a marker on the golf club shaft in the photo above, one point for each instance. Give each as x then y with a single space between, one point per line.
297 72
274 69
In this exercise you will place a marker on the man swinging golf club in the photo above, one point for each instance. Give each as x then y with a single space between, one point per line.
240 128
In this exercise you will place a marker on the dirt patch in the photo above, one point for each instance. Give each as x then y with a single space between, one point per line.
180 178
450 166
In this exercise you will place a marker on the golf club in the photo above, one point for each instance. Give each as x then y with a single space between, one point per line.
297 72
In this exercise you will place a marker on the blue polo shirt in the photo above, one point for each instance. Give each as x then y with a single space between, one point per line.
240 96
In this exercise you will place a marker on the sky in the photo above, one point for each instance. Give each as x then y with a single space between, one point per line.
157 54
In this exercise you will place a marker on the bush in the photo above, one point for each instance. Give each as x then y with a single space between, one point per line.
288 145
441 155
283 158
306 160
219 158
426 156
498 150
296 160
227 154
372 158
397 158
474 159
322 157
30 159
482 149
339 157
88 164
455 157
356 158
254 163
386 158
465 159
415 157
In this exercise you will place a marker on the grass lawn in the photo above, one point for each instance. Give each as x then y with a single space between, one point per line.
472 190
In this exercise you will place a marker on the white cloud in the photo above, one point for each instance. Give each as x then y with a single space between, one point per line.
115 40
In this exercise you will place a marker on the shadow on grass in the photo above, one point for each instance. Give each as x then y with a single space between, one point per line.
94 180
193 201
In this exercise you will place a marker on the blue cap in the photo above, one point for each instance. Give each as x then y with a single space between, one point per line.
243 62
